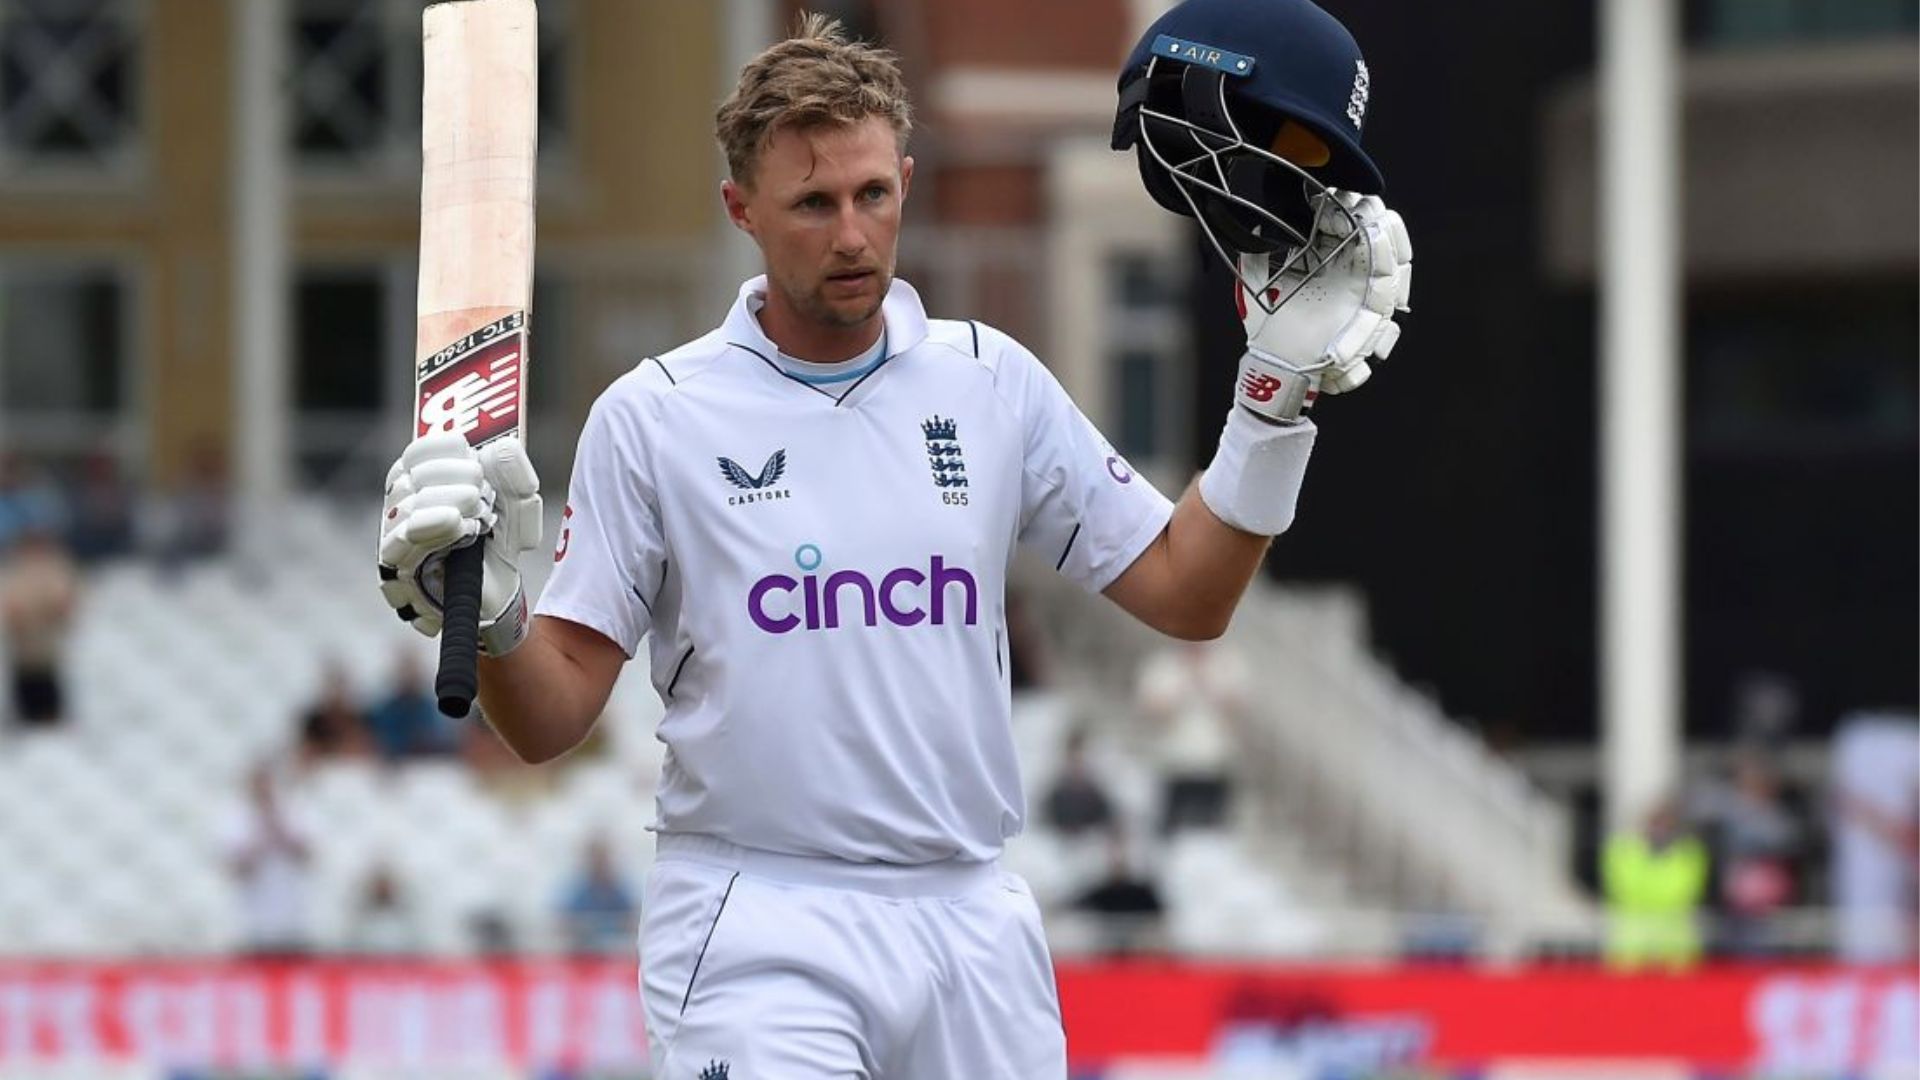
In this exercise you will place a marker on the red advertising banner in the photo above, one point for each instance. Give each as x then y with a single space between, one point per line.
586 1016
577 1015
1805 1021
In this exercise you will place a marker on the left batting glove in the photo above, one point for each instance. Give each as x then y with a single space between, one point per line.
1341 318
442 494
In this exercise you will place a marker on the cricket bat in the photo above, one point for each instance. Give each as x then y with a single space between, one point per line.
478 129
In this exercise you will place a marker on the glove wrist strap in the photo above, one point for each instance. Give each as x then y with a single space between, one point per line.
504 632
1274 390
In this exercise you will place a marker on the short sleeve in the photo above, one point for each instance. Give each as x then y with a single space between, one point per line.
611 556
1082 505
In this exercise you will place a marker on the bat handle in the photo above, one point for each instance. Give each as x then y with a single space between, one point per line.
459 678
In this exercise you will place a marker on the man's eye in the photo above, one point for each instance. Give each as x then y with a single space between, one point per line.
874 193
812 202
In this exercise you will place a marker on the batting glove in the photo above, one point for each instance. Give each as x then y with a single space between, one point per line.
1340 317
443 494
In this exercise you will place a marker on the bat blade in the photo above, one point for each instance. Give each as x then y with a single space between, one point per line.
479 130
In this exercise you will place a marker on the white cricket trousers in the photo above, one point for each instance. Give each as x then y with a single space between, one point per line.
758 966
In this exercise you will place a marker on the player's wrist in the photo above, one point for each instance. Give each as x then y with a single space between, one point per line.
1253 483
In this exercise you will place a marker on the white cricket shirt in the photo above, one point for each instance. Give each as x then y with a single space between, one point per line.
820 566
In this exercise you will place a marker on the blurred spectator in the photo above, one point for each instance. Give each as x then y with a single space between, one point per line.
39 589
333 726
383 923
1654 881
102 524
600 912
1756 842
188 521
1766 708
268 846
28 502
408 723
1876 836
1195 695
492 934
1128 903
1077 803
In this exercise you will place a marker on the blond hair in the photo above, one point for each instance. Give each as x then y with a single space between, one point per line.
816 78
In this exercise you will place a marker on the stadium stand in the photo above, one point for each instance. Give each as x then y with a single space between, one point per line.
183 680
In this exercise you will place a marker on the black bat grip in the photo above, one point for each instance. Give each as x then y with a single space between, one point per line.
459 676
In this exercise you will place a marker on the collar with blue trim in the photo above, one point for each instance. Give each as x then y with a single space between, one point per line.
903 315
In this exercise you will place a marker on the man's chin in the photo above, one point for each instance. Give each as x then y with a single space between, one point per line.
849 312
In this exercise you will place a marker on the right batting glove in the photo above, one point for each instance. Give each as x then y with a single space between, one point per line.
443 494
1337 313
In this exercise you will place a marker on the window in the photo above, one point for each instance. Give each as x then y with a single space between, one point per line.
344 105
1822 370
1147 348
340 357
68 83
64 365
1764 22
352 327
1139 388
357 83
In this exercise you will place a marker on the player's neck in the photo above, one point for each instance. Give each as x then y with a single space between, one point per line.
805 339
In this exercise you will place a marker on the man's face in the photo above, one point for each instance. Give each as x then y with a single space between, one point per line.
824 205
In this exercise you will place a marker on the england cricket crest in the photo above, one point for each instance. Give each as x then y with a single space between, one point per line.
943 452
476 386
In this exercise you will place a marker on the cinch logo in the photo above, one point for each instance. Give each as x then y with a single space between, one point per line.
904 596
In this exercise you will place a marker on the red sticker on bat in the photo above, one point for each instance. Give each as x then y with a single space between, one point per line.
477 394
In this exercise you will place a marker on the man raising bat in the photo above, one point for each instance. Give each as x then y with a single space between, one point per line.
807 516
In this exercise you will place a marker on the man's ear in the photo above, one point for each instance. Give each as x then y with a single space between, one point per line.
906 176
736 202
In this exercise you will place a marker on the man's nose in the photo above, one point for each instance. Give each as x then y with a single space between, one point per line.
848 239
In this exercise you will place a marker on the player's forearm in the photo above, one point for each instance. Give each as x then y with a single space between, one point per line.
1189 581
537 698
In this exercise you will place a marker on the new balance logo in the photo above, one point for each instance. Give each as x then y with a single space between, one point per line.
482 393
1259 387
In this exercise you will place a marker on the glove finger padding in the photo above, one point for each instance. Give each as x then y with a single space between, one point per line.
1397 232
517 486
1389 337
1351 377
1340 297
435 446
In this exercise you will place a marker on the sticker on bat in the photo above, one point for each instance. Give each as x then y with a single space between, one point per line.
477 393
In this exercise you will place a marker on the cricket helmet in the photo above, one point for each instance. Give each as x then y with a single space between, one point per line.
1203 99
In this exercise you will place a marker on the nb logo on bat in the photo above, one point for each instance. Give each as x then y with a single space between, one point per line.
477 396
